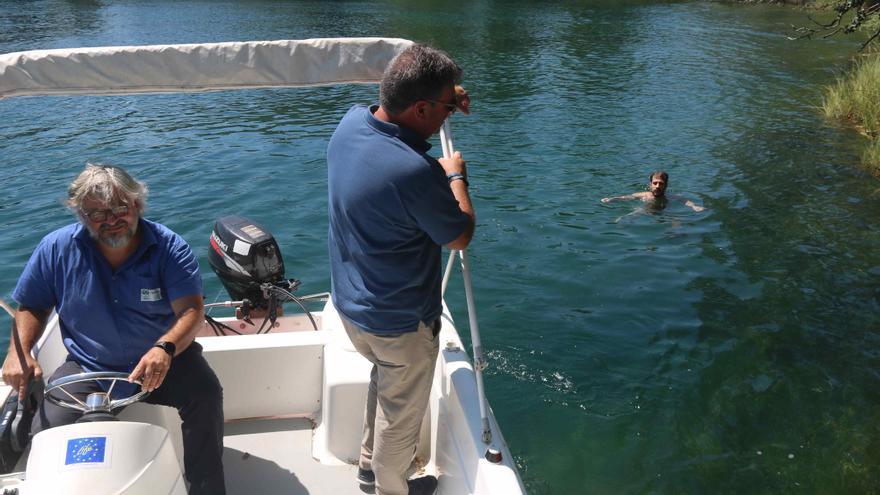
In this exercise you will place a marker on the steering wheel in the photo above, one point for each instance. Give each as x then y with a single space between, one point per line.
96 401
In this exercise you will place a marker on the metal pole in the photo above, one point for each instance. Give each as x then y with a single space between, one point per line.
9 309
452 255
479 363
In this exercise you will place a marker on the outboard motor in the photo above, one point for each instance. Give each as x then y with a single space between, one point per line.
245 256
246 259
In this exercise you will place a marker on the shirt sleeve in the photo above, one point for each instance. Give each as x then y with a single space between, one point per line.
181 271
35 288
429 199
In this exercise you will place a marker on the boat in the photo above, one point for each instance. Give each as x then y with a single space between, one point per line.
294 387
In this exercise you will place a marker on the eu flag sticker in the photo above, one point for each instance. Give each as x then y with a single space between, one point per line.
85 450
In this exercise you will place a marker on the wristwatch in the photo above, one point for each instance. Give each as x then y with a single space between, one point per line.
166 346
457 176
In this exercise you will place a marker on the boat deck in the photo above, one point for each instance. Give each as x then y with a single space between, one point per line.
265 457
294 401
273 457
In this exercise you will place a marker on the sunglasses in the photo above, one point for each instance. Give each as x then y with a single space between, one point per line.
451 107
102 215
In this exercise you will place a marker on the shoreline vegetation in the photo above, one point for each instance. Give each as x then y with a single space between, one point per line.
855 97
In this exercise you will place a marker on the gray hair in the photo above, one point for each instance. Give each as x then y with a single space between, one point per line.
417 73
106 183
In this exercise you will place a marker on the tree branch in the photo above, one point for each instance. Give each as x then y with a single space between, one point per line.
861 10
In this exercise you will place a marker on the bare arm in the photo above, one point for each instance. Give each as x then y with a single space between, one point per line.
622 198
20 365
460 191
153 366
690 204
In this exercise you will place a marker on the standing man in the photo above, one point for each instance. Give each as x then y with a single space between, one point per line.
391 208
129 298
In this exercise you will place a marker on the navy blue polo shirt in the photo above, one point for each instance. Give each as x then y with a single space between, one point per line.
109 319
391 209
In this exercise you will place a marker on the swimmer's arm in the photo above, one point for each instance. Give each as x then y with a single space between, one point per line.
621 198
690 204
693 206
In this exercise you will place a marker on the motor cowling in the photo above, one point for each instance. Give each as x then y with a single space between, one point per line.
244 255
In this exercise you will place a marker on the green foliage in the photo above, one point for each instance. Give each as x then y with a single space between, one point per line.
850 16
855 97
871 156
872 24
822 4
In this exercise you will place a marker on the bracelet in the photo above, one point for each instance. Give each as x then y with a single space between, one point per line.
457 176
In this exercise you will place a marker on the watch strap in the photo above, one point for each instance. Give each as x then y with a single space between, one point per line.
166 346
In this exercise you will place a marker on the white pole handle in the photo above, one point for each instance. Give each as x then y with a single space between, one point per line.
479 363
7 308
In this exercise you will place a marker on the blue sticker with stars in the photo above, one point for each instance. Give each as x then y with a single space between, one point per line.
85 450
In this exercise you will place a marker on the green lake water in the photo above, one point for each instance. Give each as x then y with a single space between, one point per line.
734 350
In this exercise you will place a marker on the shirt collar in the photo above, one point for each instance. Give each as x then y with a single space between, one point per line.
409 137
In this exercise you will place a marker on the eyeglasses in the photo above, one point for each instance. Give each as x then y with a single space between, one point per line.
101 215
451 107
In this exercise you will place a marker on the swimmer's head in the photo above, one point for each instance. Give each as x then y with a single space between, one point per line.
657 183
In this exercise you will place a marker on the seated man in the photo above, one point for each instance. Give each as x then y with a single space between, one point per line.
656 193
129 298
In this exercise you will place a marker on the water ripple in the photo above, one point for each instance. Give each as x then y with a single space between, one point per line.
632 350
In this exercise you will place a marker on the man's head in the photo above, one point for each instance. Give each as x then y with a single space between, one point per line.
418 88
108 202
657 183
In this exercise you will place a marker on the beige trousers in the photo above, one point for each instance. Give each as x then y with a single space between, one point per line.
400 384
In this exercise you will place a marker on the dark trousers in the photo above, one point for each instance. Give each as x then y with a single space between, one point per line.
192 388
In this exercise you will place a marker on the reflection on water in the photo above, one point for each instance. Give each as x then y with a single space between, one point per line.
633 348
40 23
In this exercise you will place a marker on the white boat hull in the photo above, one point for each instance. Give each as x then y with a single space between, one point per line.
276 383
313 384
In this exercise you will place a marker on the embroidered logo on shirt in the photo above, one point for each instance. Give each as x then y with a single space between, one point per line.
150 295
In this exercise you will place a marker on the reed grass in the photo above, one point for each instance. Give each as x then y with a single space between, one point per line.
855 97
871 156
822 4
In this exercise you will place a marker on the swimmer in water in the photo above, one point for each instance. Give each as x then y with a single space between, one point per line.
655 196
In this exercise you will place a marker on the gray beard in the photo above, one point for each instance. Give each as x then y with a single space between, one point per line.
113 240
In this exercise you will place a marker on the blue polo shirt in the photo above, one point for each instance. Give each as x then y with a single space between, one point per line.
390 209
109 319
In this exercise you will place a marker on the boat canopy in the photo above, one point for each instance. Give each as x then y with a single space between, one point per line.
196 67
